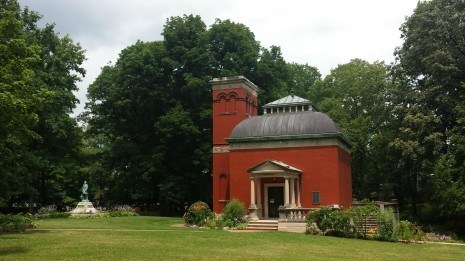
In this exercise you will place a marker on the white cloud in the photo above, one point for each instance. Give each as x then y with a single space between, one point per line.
320 33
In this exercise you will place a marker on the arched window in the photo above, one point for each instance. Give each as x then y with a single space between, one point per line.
231 102
222 97
223 186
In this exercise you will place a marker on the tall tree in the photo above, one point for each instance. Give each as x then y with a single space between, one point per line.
126 101
271 75
433 57
301 78
17 96
353 95
233 48
450 174
47 68
431 63
149 118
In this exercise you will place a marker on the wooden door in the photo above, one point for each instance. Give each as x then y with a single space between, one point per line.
275 199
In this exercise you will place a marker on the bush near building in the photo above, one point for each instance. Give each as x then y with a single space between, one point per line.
233 213
233 216
198 214
352 223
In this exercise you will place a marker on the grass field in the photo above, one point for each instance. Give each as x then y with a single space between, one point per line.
153 238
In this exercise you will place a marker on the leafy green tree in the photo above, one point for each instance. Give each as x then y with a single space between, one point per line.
353 96
301 78
450 173
271 75
125 102
433 57
39 72
233 48
432 68
149 114
16 96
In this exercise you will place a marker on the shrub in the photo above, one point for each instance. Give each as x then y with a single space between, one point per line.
319 216
405 231
409 231
233 213
325 221
330 222
212 223
198 213
387 225
313 229
241 226
359 214
341 225
16 223
55 215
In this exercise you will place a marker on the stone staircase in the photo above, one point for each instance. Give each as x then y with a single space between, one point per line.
263 225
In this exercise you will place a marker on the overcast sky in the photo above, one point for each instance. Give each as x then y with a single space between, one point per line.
322 33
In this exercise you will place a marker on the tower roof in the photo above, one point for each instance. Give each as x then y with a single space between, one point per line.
234 82
290 103
288 100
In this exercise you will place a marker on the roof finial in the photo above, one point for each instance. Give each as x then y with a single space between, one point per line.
292 93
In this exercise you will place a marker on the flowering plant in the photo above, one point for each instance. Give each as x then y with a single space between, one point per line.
438 237
198 214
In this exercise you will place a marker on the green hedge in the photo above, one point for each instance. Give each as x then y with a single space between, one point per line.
326 221
16 223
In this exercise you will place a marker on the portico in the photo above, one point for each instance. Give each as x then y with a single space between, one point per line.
291 192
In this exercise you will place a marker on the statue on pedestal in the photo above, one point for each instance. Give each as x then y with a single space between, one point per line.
85 195
85 206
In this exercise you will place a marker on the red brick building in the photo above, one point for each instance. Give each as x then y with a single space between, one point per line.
292 157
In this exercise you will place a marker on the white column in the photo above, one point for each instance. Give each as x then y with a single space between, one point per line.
252 193
259 193
292 184
298 193
286 192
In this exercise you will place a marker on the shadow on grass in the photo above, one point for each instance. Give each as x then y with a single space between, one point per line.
37 231
4 251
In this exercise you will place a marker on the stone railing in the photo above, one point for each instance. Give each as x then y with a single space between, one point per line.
292 214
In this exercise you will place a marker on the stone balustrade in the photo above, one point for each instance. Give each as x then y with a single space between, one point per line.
292 214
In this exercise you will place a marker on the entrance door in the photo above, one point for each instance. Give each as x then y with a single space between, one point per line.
275 199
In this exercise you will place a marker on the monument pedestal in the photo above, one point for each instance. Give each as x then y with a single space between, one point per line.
84 207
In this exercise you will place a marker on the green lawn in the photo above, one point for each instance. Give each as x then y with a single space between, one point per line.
153 238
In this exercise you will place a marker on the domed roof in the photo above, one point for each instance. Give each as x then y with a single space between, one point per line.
285 124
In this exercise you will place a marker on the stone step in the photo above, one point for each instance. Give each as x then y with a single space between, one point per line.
262 228
263 225
274 223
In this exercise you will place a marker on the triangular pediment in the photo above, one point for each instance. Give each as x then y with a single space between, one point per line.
273 167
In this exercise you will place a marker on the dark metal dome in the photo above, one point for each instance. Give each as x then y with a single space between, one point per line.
285 124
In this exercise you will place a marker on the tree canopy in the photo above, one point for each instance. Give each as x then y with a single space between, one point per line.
151 110
38 139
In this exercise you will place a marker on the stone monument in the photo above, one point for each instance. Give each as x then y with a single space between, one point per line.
85 206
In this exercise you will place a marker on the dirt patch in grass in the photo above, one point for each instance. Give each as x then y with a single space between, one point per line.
178 225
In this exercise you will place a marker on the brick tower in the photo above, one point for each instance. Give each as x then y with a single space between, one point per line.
234 99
